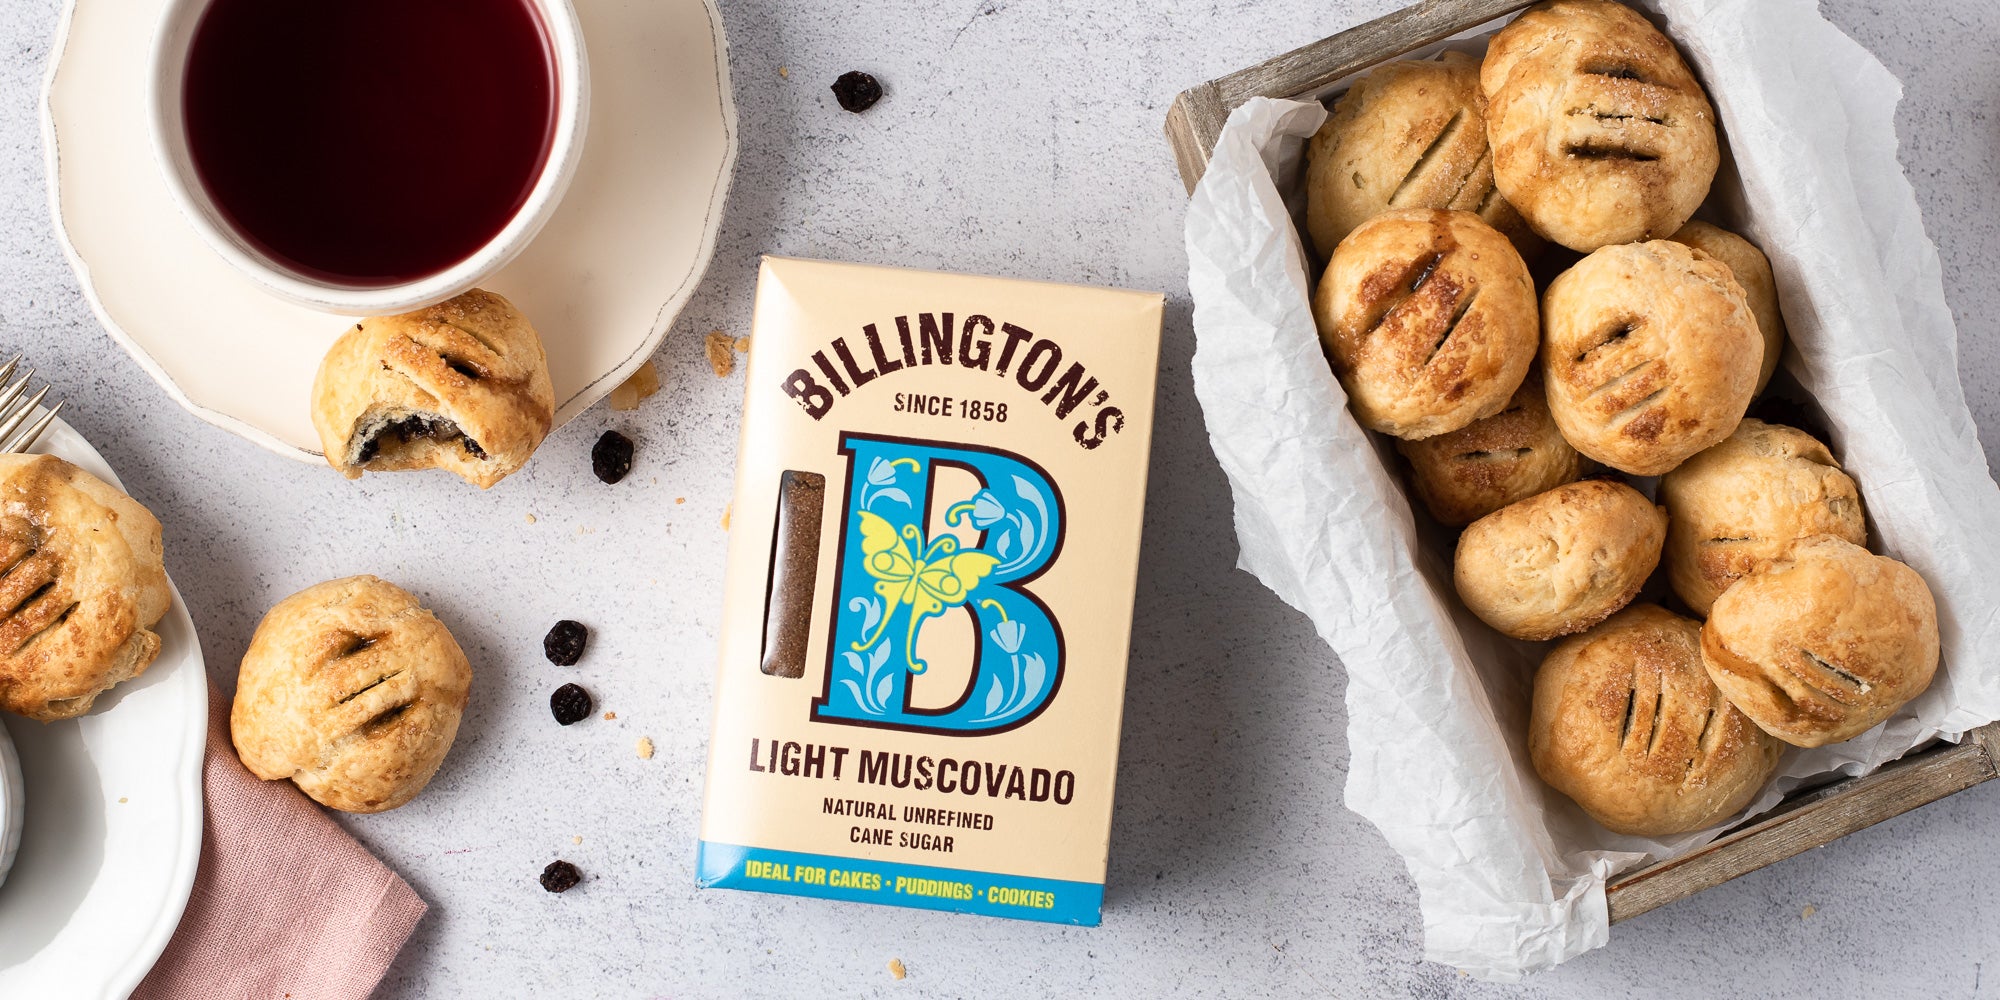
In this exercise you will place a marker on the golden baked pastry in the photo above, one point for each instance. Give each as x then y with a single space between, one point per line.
1429 319
1740 506
353 691
1408 135
1823 646
1752 271
1627 725
462 385
1561 561
1650 354
1487 464
1600 132
83 577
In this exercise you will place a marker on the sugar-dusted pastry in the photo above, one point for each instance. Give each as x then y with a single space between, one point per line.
1650 354
1600 132
1822 646
1487 464
1752 270
462 385
1407 135
1559 562
353 691
1429 319
1627 724
1740 506
80 568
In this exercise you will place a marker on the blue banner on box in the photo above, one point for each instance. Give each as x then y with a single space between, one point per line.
1020 897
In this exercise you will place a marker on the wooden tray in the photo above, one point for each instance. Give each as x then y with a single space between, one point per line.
1808 818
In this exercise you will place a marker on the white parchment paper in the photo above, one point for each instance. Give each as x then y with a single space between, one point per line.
1512 875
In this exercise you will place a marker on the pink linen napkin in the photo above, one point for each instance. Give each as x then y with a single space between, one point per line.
285 903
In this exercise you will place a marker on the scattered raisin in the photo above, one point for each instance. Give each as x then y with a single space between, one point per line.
560 876
856 91
564 643
611 456
570 704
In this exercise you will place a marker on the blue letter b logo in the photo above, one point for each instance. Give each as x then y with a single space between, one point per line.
905 561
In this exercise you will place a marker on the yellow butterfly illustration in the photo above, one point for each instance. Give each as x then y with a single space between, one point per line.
939 578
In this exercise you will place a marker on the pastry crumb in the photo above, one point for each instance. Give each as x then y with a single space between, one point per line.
742 345
720 356
785 71
608 716
531 518
1806 914
644 382
725 517
680 500
896 970
645 748
578 839
122 800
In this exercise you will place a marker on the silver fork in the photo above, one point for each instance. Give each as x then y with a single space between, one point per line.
16 411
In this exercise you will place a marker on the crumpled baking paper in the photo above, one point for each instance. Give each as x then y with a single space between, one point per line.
1511 874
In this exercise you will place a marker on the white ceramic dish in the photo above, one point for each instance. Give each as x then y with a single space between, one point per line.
10 803
167 65
602 282
113 813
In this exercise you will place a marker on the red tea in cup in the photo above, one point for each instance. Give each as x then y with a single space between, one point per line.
369 142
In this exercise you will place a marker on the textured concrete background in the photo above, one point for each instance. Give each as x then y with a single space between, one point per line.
1021 139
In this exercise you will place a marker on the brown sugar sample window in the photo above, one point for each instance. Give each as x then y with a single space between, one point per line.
788 598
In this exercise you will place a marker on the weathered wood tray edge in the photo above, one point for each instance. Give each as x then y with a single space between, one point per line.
1805 820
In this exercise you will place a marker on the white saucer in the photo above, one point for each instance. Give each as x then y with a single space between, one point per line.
113 813
601 283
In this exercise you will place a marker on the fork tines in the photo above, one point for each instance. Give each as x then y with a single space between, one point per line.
16 411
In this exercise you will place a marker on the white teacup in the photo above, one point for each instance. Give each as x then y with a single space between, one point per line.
170 146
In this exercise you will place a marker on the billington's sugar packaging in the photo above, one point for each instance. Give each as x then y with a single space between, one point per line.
932 557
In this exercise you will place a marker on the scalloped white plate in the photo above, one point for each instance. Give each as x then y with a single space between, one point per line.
602 282
113 813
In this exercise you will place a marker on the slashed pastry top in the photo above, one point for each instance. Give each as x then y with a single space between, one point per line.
1628 726
83 586
462 385
1650 354
352 690
1492 462
1408 135
1600 132
1822 646
1429 319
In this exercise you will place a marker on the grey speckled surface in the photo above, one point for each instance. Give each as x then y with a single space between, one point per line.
1018 138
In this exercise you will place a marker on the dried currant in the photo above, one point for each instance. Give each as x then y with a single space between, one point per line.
560 876
564 643
570 704
856 91
611 456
